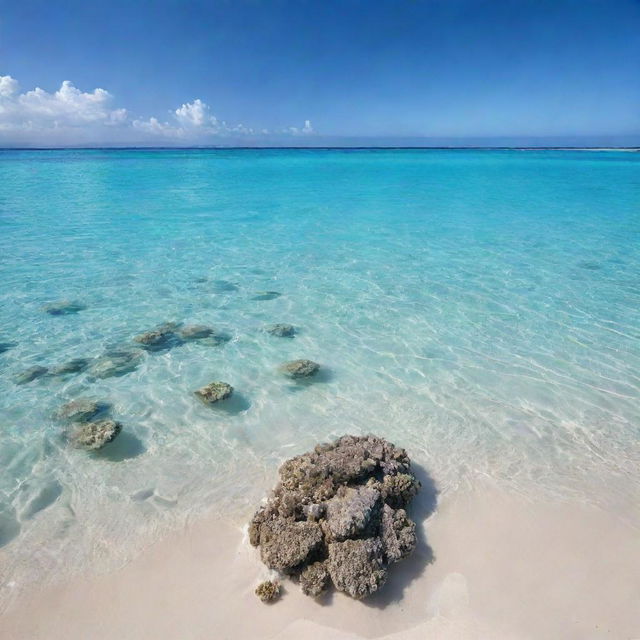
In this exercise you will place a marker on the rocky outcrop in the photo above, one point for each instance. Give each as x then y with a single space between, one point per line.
337 516
214 392
93 435
299 369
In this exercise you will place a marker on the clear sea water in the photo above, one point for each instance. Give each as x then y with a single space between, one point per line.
480 308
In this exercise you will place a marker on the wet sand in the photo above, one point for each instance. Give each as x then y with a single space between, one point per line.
488 565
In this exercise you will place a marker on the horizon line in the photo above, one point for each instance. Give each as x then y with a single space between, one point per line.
326 148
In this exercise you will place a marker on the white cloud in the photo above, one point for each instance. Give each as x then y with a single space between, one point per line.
71 116
195 114
67 107
307 129
8 86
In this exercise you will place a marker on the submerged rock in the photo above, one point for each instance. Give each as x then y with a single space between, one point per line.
93 435
81 410
195 332
30 374
76 365
223 286
204 335
281 330
115 362
337 516
268 591
63 307
299 368
163 337
214 392
266 295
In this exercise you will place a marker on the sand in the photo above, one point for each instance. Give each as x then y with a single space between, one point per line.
489 566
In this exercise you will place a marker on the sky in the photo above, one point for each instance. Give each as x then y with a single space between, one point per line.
319 72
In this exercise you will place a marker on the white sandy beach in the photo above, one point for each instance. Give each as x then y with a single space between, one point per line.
502 568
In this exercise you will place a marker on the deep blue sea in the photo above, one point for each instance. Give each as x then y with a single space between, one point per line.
480 308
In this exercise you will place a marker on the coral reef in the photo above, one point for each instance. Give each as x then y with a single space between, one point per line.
337 516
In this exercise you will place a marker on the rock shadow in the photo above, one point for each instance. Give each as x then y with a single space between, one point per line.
403 573
324 376
124 447
237 403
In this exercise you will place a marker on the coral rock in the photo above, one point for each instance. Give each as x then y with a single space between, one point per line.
81 410
286 544
115 362
195 332
399 490
214 392
161 338
351 511
268 591
281 330
398 534
336 516
357 567
93 435
315 579
77 365
299 368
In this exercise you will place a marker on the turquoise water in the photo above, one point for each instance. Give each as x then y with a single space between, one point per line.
477 307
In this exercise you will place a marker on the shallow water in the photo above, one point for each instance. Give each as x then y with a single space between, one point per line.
479 308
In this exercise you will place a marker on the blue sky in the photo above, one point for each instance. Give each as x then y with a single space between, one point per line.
319 71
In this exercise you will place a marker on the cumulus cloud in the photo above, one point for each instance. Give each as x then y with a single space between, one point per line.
67 107
71 116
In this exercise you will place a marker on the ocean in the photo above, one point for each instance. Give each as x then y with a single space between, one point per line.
477 307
